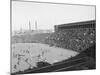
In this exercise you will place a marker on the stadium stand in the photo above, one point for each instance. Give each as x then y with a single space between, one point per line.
74 36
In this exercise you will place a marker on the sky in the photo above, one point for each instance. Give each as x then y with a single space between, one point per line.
47 15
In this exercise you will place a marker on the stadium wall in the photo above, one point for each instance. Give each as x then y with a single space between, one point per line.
84 24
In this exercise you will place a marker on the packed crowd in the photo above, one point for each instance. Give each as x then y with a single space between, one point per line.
74 39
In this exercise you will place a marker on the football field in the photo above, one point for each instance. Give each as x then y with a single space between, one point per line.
26 55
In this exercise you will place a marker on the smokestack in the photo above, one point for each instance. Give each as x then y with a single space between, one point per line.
35 25
29 26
